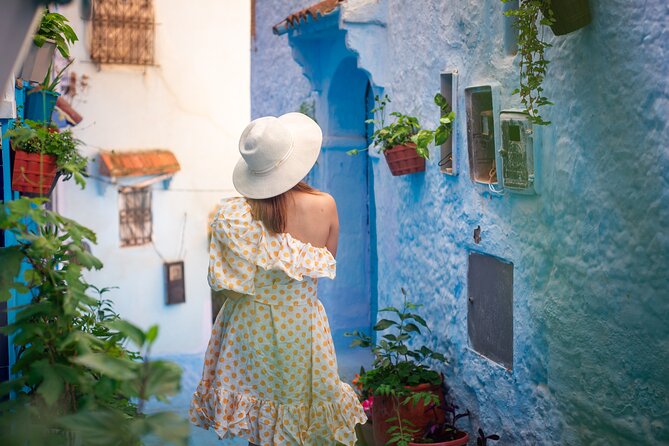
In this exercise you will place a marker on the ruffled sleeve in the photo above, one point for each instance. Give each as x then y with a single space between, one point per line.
240 244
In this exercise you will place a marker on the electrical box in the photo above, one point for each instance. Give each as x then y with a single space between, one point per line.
517 152
174 283
482 133
449 89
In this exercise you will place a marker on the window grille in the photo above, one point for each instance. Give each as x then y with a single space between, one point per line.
135 220
122 32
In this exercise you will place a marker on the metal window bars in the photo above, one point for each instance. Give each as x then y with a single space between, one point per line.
123 32
135 219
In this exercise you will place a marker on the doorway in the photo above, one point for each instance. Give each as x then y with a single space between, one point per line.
351 299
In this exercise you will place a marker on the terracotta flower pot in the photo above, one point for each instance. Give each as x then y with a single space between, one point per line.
383 409
403 160
462 440
570 15
34 174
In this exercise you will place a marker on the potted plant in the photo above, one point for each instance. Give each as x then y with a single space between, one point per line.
54 33
403 142
563 16
568 15
441 431
401 384
41 100
41 155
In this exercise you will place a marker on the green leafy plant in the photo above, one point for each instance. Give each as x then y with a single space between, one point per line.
75 381
34 137
438 431
532 47
398 366
50 83
54 26
406 129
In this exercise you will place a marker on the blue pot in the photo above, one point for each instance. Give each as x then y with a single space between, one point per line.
39 105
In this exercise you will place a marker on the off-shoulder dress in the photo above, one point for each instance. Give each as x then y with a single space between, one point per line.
270 371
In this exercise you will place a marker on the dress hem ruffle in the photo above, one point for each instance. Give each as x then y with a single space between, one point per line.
266 422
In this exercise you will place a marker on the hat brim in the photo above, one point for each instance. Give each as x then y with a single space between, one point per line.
307 140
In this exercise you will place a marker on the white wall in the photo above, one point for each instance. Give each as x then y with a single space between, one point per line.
195 102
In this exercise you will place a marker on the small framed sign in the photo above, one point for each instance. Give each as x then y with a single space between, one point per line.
174 282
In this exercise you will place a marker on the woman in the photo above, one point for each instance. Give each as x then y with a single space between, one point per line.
270 371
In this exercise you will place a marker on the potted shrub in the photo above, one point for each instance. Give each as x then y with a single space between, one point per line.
41 100
403 142
401 384
441 431
54 33
41 155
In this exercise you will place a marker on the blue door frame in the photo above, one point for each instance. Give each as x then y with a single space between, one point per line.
7 352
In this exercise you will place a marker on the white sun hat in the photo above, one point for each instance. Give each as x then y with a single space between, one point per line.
277 153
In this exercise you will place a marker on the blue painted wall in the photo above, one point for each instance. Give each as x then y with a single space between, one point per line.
591 299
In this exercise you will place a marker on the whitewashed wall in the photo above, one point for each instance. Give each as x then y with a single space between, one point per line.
195 102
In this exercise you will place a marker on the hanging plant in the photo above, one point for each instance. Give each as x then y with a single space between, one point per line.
531 47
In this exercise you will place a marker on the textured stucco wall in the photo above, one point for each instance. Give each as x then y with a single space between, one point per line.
591 299
276 80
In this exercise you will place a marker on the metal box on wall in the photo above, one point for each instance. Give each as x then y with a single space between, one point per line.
174 283
517 153
490 307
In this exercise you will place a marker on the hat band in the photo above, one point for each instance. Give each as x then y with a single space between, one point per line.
277 164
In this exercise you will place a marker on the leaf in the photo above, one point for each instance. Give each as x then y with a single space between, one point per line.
51 388
163 378
132 332
10 259
384 324
169 427
152 334
115 368
411 327
441 101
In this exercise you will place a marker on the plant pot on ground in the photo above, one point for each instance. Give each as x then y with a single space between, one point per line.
53 33
38 148
401 384
403 142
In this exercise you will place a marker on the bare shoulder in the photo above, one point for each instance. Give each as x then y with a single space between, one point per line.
320 202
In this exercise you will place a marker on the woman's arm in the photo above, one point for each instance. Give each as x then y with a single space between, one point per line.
333 233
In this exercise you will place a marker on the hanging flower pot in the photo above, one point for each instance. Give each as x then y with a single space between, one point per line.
39 104
403 160
462 440
569 15
38 61
34 173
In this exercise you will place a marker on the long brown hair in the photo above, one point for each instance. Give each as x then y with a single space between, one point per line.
272 211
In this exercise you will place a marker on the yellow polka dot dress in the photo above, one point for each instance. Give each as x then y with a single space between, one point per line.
270 371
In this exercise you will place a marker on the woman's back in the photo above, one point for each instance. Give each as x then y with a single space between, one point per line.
312 218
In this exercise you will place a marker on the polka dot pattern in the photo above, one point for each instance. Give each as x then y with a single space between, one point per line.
270 371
